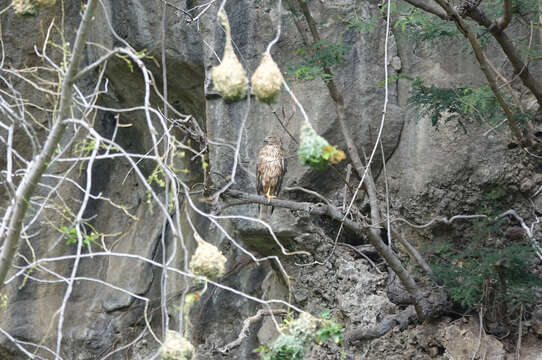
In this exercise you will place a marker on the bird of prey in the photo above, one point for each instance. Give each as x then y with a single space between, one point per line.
270 170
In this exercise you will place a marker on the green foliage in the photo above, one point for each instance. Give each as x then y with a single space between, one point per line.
315 151
322 54
477 276
425 27
434 102
393 78
361 25
422 27
70 233
329 329
286 347
487 272
25 8
493 200
458 104
3 301
298 334
524 7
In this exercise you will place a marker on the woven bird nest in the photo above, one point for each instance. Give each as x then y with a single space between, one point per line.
30 7
176 347
267 80
229 77
25 7
315 151
45 3
207 261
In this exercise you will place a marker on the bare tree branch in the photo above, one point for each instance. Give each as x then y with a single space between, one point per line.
433 306
245 330
482 60
511 52
430 6
366 178
40 163
338 99
465 6
372 234
497 31
503 22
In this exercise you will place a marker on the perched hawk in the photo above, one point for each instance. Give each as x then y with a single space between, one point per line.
270 169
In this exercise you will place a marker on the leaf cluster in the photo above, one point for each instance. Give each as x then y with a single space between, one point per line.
322 54
446 104
486 272
361 25
478 275
329 330
424 27
299 333
70 233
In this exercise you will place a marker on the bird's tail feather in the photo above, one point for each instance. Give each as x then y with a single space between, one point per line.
265 212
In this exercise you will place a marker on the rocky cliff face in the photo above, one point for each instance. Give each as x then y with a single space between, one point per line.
431 173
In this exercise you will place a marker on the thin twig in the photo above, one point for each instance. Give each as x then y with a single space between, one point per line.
363 255
245 330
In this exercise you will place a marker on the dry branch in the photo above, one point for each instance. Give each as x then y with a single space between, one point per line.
245 330
39 164
496 28
432 306
429 6
372 234
484 66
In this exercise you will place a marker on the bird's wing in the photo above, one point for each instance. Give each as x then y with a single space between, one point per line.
259 185
282 172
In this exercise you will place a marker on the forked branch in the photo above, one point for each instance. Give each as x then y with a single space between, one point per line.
37 167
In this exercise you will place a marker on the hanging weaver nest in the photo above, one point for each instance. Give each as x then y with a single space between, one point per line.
30 7
315 151
267 80
229 77
176 347
45 3
25 7
207 261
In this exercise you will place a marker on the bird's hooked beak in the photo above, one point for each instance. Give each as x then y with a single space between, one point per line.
266 140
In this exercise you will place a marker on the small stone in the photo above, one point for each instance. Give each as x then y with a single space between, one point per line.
527 185
537 322
433 351
396 63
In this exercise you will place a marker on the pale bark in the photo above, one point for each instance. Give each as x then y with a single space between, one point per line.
38 166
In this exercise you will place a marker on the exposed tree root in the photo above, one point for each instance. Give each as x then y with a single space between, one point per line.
245 331
433 305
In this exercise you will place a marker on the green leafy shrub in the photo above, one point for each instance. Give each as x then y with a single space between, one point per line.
458 104
329 330
424 27
361 25
70 233
488 270
480 276
298 334
322 54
